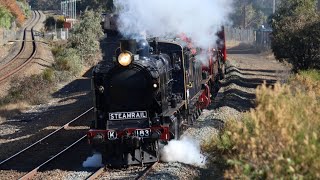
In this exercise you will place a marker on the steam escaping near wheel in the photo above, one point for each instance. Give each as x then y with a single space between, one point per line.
186 150
93 161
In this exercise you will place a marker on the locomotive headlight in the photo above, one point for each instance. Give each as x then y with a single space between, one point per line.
125 58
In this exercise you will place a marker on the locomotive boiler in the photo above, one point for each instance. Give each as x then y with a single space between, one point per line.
146 95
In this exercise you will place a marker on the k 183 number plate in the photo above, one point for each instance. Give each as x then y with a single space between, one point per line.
142 132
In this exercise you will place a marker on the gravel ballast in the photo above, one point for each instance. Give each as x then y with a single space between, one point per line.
237 93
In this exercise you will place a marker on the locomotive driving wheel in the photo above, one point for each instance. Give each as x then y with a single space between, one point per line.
177 128
222 69
214 87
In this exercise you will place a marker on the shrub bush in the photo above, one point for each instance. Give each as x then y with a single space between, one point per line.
306 49
60 22
48 74
296 34
68 60
24 6
5 17
57 48
50 23
14 9
86 35
34 90
280 138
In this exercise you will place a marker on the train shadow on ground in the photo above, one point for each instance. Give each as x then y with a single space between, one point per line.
238 92
239 88
255 72
247 82
264 71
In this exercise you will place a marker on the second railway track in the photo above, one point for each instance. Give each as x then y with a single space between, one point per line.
46 149
27 51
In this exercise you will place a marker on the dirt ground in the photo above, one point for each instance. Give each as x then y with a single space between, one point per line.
5 49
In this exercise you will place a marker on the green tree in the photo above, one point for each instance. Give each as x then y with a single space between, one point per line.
104 5
294 29
5 17
24 6
248 14
86 35
45 4
50 23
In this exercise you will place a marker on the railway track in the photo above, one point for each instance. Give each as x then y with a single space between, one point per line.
27 51
46 149
34 171
142 174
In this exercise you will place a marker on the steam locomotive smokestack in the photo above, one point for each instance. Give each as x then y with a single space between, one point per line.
128 45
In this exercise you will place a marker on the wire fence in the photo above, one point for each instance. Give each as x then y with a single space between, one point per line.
58 34
263 39
260 38
7 35
241 35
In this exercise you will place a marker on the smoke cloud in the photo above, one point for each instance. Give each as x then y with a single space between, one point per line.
199 20
186 150
94 161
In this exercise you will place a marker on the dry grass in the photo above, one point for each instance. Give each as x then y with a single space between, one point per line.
67 65
238 45
231 43
11 110
280 138
34 90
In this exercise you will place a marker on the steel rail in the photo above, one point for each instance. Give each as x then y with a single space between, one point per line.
96 174
33 172
146 171
37 19
21 49
101 170
62 127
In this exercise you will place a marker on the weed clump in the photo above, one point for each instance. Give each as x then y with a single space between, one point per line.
34 90
68 60
280 138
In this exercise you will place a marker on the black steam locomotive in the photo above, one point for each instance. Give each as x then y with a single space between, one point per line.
145 96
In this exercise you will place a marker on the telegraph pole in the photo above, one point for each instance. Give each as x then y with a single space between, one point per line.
244 10
274 6
244 16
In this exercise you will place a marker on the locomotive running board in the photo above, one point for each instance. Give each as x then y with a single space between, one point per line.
205 81
196 96
171 111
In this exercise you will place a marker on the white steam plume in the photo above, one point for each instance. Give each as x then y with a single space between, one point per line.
94 161
186 150
198 19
